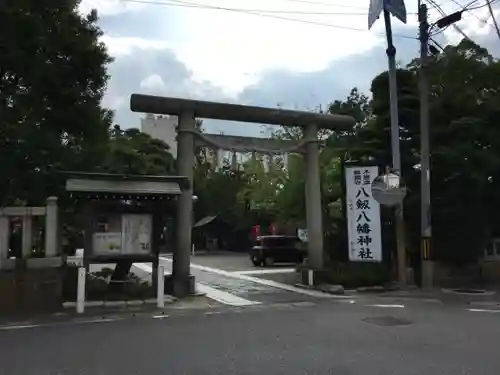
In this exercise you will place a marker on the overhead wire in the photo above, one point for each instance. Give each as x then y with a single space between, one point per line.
325 4
259 13
174 3
469 8
490 8
443 13
483 21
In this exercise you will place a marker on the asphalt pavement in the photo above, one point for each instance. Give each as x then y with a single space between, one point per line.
233 275
324 338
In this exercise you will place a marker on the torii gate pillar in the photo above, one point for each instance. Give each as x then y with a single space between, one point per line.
182 283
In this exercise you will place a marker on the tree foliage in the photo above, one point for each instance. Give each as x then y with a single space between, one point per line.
464 146
465 152
52 79
133 152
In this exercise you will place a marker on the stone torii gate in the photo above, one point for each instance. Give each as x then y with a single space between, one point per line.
181 282
253 145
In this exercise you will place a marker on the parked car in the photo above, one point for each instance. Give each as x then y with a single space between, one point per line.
268 250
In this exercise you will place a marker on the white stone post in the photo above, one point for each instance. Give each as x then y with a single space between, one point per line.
310 277
80 294
4 240
161 287
51 226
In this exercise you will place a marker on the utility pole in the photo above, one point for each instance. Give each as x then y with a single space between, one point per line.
396 153
425 211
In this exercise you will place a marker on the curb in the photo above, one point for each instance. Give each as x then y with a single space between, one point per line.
119 303
483 293
485 303
325 288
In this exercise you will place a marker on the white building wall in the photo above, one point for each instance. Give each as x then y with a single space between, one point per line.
163 128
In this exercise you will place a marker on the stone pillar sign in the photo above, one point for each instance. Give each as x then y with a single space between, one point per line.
51 228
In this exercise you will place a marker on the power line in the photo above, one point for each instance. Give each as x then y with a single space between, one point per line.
467 7
443 13
480 6
325 4
174 3
463 8
259 13
488 2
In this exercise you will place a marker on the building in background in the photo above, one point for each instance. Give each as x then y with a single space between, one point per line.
163 128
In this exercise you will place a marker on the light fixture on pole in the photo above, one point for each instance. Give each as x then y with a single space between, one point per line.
397 9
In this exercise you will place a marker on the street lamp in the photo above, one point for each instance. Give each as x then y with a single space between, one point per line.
398 9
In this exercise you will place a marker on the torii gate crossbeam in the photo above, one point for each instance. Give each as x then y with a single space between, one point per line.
182 283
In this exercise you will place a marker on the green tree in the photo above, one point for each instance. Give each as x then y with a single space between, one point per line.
262 187
217 193
133 152
52 80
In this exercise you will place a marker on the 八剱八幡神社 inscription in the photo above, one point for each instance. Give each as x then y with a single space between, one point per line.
363 215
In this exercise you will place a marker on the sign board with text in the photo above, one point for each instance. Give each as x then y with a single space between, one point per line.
107 243
363 215
134 238
136 234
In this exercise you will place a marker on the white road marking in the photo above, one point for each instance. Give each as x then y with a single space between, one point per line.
160 316
388 306
212 293
484 310
351 301
264 271
224 297
7 328
212 313
275 284
102 320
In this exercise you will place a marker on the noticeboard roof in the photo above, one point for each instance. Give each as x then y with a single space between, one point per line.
131 185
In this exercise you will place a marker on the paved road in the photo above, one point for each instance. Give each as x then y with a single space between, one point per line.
326 338
244 286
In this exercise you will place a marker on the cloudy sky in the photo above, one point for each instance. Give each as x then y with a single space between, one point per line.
293 53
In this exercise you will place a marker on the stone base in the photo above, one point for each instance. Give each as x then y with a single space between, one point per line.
27 291
180 287
31 263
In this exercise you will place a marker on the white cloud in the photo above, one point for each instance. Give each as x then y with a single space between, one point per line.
231 48
152 83
118 46
231 56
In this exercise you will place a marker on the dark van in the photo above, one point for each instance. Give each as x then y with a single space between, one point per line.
268 250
